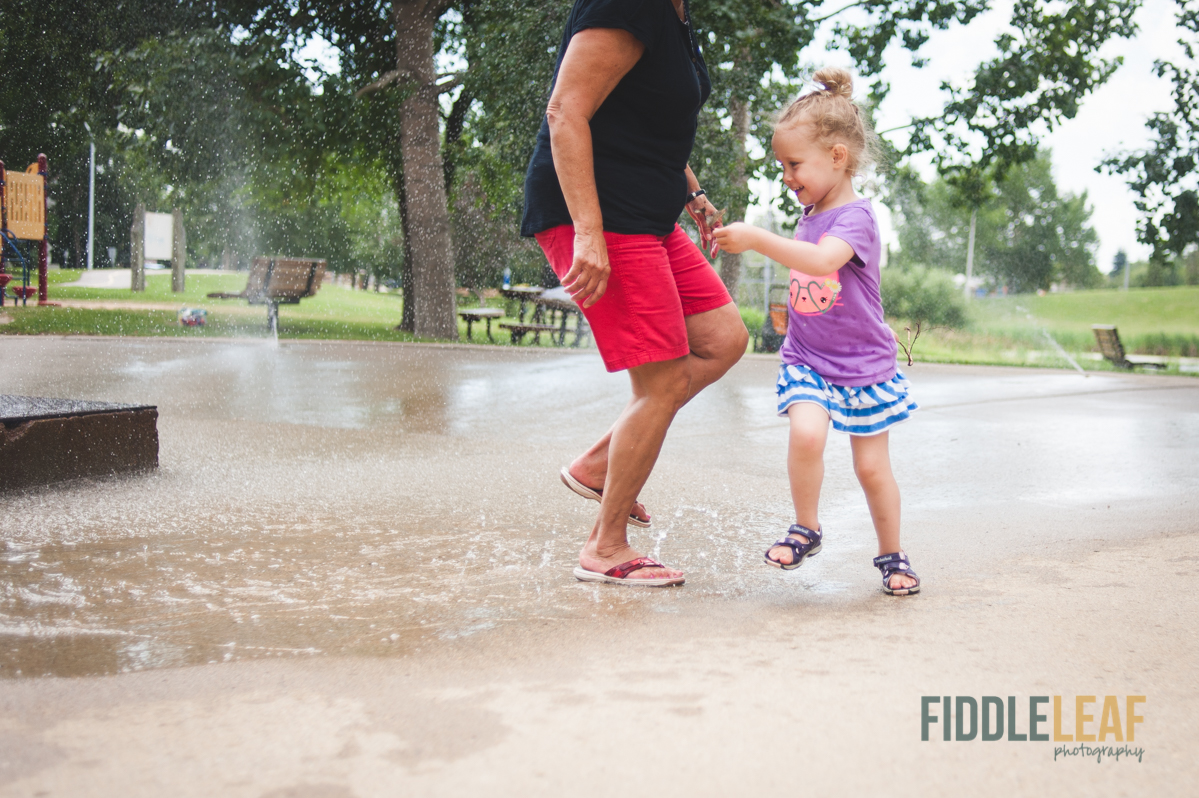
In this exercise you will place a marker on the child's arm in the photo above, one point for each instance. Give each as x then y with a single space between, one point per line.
814 259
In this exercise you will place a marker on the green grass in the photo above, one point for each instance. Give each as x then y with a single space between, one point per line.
1010 330
1002 331
334 313
1139 311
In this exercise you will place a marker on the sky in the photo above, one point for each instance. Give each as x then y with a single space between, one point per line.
1109 121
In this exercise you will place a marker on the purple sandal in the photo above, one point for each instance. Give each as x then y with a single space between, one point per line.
800 551
897 563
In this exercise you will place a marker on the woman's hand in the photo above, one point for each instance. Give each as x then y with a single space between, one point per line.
707 219
587 279
736 237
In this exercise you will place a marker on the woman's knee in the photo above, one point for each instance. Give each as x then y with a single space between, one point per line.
738 341
666 382
718 334
735 338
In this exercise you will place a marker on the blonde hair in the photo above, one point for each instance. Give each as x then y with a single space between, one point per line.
835 118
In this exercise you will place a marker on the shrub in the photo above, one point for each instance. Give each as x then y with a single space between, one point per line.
753 318
925 295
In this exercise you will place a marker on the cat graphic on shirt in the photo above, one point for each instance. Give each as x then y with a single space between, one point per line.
814 296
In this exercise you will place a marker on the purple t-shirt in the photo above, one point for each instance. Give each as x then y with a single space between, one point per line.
836 326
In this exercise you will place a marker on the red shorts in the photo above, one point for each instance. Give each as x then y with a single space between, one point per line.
656 282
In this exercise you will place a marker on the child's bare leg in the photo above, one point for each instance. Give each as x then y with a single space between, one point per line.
872 464
805 467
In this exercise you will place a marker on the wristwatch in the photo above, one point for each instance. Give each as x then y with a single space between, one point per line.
699 192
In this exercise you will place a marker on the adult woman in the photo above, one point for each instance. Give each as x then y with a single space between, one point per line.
605 186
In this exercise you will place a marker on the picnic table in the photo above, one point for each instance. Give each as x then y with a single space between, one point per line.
552 311
471 315
557 302
522 294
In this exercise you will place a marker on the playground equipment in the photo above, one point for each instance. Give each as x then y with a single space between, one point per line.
23 218
275 281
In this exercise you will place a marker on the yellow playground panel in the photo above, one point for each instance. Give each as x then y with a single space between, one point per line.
23 218
25 203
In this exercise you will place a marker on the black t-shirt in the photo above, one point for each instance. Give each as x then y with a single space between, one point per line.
643 132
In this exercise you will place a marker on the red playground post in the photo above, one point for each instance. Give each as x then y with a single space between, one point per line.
4 278
43 247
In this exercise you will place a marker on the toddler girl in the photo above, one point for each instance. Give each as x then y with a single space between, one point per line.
839 355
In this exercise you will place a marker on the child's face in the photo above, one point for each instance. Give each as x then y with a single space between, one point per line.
810 169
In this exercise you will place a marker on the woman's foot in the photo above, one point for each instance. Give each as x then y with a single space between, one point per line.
591 559
588 477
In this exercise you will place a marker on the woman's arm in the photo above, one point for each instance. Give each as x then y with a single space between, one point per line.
595 61
814 259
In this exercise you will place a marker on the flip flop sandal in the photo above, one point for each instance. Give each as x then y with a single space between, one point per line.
619 575
800 551
897 563
595 494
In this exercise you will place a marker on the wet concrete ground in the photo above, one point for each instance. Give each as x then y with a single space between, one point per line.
364 553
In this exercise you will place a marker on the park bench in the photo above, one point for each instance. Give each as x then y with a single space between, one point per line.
1108 339
276 281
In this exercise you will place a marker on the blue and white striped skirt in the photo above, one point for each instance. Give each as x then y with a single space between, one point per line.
867 410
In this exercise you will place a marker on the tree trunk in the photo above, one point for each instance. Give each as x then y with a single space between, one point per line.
730 264
428 228
407 317
454 126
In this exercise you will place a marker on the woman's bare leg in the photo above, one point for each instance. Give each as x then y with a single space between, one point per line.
659 390
805 468
872 464
717 339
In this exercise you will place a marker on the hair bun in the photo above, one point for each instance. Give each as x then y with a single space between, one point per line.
836 81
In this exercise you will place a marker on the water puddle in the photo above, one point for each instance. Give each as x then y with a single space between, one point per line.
333 500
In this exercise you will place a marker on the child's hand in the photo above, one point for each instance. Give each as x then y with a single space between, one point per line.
736 237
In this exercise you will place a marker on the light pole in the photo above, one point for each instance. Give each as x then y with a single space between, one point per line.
91 198
970 252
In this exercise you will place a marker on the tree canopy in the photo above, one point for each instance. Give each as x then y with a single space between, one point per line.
53 84
1165 175
1028 235
389 165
